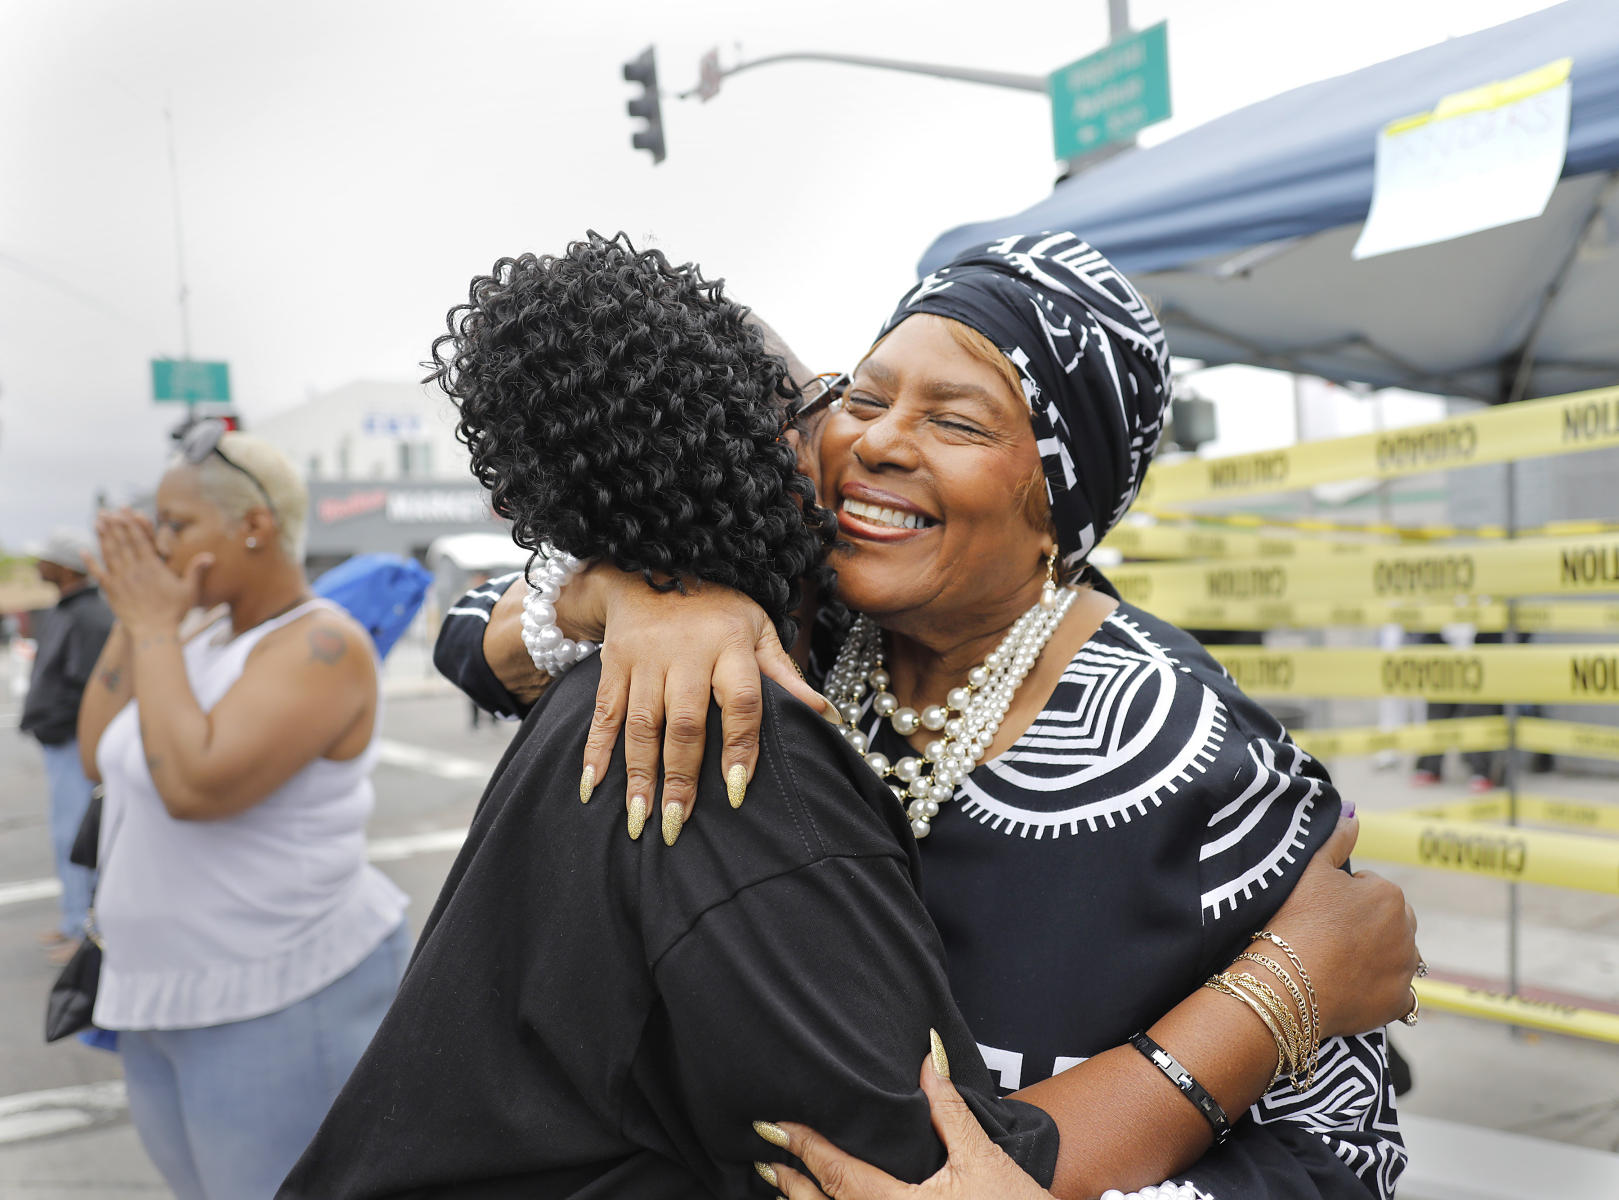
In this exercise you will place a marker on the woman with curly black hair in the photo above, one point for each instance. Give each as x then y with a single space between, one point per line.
593 1015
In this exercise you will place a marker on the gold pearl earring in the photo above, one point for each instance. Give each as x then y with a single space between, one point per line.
1048 590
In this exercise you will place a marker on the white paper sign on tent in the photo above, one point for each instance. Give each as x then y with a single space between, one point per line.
1485 157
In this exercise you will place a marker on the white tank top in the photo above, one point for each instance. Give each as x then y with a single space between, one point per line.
212 921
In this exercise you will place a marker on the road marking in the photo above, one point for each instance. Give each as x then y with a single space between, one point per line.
431 762
432 841
29 889
30 1115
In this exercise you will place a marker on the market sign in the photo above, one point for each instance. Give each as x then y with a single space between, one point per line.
1111 95
182 381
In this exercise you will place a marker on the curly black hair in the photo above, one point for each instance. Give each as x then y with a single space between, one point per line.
624 409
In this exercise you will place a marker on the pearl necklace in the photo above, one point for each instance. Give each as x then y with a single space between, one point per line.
968 720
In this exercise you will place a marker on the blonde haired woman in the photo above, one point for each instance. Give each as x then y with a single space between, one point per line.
250 950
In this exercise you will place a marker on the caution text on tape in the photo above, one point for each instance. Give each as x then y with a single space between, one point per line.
1533 674
1535 734
1518 1010
1357 572
1533 429
1510 853
1430 737
1530 617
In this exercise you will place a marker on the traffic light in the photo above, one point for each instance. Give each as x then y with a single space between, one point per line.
643 70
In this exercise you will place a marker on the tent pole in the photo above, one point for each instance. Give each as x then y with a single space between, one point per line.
1509 637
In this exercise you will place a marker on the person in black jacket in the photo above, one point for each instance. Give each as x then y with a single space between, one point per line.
69 642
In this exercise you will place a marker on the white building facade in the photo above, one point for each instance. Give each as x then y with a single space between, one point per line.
384 469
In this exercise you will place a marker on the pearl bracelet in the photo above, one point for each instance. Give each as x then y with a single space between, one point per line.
1185 1190
550 649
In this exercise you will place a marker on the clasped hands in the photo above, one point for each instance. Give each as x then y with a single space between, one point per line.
144 594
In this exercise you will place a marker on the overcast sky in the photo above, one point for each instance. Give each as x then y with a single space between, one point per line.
346 166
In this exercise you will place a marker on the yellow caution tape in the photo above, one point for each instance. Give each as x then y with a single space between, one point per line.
1355 572
1510 853
1535 734
1532 808
1533 674
1574 617
1568 737
1376 530
1532 429
1170 541
1430 737
1490 807
1518 1010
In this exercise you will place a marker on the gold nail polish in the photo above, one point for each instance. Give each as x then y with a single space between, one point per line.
587 784
767 1173
638 813
772 1133
673 818
941 1060
736 784
831 713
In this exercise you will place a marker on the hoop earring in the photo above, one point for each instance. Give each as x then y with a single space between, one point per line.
1048 590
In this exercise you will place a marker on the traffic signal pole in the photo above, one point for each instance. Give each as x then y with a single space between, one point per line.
1001 79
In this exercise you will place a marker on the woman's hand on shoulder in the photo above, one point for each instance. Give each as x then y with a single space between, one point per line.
976 1169
1356 936
664 655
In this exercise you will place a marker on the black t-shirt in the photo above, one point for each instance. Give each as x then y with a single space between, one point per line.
587 1016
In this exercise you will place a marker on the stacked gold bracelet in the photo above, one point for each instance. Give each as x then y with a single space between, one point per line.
1294 1023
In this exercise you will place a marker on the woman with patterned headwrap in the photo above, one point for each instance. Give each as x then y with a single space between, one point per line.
1104 819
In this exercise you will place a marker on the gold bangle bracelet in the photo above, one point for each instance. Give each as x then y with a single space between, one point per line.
1298 1049
1312 1036
1304 976
1219 984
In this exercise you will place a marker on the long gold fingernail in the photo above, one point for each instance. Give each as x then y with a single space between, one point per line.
638 811
941 1060
774 1134
767 1173
736 784
673 818
587 784
831 713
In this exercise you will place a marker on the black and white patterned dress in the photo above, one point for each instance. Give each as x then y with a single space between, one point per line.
1125 848
1092 876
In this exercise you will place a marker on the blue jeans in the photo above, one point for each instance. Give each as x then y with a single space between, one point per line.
70 797
225 1111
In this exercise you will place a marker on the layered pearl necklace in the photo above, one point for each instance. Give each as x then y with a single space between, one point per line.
967 721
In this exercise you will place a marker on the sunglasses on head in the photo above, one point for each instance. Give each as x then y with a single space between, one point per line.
202 440
818 394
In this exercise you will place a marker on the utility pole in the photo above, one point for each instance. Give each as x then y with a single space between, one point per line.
1118 27
180 255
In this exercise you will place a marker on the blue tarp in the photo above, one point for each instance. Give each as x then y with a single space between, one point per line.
1301 162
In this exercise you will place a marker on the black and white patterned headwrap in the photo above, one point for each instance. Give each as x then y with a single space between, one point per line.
1092 358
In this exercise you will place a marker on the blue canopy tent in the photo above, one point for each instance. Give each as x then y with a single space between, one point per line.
1240 231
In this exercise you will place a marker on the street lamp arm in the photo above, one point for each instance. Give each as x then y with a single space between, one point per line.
1002 79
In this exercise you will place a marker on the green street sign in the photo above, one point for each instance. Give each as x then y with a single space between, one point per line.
181 381
1110 95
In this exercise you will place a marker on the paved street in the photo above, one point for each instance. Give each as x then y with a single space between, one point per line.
65 1134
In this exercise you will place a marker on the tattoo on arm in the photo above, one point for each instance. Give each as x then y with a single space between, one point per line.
325 646
113 678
